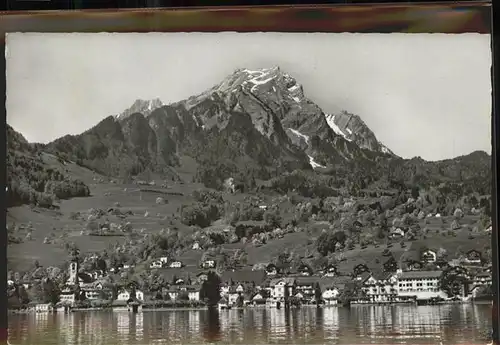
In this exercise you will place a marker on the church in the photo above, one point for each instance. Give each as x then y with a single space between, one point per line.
89 287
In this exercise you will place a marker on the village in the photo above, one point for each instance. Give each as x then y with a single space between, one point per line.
423 281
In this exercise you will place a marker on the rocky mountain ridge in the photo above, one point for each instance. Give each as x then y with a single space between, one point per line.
255 121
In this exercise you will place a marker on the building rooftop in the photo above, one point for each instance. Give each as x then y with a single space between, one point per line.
244 276
420 274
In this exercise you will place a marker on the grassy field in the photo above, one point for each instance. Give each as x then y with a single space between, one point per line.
104 195
66 224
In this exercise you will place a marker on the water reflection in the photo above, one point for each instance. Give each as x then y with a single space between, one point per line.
212 325
450 324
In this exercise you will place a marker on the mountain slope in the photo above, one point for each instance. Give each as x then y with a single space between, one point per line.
31 179
352 128
141 106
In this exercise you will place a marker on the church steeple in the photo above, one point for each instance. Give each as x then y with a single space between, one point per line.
73 271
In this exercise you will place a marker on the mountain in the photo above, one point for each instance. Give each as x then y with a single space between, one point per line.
141 106
277 105
352 128
36 178
256 124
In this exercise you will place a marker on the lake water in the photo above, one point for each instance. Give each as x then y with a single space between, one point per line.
445 324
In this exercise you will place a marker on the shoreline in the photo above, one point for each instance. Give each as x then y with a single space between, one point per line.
163 309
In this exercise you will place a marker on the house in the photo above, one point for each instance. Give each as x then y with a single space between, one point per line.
43 307
97 274
271 270
473 257
208 264
258 299
305 270
173 293
382 288
156 264
67 296
414 265
331 271
306 286
159 263
397 233
164 260
95 293
480 280
196 246
254 278
242 281
194 292
428 256
225 288
223 303
178 281
125 295
421 285
175 264
282 288
359 269
233 297
330 295
390 265
201 277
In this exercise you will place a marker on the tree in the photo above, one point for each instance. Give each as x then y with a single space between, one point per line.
351 291
239 301
415 192
183 296
391 265
101 264
272 217
452 281
51 291
325 243
210 289
73 251
22 294
104 295
318 297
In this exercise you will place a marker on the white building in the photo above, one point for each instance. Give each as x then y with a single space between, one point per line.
472 257
156 264
208 264
422 285
280 286
159 263
330 296
193 292
67 296
194 295
383 289
124 295
479 281
176 264
43 307
429 256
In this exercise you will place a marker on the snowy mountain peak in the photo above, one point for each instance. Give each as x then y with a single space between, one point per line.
269 80
144 107
352 128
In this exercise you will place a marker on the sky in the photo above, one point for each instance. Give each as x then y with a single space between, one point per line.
426 95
